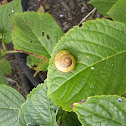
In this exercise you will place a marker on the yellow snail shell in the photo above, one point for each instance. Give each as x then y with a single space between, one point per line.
64 61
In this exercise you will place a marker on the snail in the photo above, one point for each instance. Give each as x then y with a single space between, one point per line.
64 61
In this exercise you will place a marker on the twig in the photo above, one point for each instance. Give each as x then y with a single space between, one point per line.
65 6
87 16
12 81
35 74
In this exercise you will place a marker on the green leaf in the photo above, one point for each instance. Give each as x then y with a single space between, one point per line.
3 80
10 102
99 48
38 110
102 110
0 36
37 63
67 118
29 61
103 6
3 52
7 12
118 11
5 67
35 33
0 55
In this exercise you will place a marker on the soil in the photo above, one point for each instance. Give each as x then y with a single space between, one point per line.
67 14
14 78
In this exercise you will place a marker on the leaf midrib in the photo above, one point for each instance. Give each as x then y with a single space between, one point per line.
104 117
9 108
36 107
106 110
118 40
37 38
86 68
22 47
11 99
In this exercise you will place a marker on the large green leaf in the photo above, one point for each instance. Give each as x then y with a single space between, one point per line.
102 110
10 102
38 110
5 67
35 33
7 12
118 11
103 6
99 48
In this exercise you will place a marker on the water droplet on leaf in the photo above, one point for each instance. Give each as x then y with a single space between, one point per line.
28 124
88 57
41 101
119 100
92 68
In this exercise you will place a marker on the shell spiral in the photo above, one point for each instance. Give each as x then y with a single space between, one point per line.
64 61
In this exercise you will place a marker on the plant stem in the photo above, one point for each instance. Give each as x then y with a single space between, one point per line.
35 74
87 16
11 51
57 110
59 119
4 46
